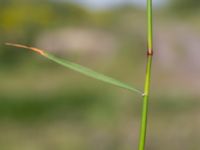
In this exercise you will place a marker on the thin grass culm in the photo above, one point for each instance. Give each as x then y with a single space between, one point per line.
143 127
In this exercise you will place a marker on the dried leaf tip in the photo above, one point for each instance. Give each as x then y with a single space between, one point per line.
27 47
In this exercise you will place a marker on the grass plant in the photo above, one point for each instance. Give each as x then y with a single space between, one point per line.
93 74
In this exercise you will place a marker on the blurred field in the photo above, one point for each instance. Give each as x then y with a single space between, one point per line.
46 107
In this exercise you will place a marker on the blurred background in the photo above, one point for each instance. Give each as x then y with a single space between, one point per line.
44 106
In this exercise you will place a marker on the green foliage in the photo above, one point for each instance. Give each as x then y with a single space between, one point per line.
24 20
31 107
185 6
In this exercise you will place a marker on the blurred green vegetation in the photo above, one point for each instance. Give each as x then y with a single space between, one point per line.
46 107
185 7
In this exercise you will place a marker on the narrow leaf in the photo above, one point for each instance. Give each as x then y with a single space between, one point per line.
81 69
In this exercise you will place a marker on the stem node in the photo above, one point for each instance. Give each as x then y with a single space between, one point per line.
150 52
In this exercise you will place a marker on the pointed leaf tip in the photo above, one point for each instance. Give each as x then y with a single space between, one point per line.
39 51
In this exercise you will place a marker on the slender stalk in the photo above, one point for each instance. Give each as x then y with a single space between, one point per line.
143 128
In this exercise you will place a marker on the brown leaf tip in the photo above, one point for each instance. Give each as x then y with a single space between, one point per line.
26 47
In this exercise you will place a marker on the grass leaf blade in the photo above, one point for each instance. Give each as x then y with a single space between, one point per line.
81 69
91 73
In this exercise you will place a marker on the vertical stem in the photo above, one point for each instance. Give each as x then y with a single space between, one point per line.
147 79
145 105
149 27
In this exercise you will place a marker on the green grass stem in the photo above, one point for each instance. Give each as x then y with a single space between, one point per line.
143 128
